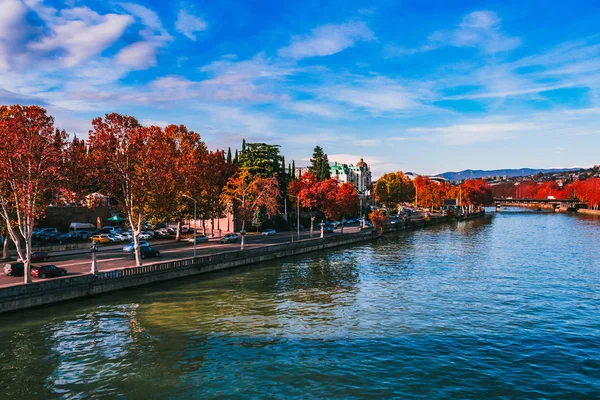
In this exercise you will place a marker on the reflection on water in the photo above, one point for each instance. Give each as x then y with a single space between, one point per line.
506 305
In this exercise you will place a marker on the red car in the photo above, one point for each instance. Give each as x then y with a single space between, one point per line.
38 256
47 271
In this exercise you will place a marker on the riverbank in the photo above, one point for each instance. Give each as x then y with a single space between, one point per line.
51 291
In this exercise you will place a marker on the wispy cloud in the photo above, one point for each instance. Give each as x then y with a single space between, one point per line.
480 29
327 40
188 24
142 54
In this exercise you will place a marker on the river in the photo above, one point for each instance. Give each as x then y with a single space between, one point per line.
504 306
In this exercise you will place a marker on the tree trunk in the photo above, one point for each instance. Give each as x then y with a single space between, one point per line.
243 236
27 262
136 240
212 227
178 234
342 230
312 224
5 247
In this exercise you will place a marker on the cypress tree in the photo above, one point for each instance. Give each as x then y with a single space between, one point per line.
293 168
283 164
290 172
229 156
235 160
243 145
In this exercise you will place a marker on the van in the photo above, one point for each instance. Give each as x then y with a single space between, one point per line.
76 226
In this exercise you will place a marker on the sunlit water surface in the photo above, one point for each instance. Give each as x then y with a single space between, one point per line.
505 306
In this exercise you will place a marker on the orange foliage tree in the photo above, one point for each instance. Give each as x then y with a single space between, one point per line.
249 194
308 191
129 163
339 200
31 161
378 220
429 193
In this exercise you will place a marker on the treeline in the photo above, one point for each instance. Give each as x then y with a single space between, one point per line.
148 171
586 191
395 188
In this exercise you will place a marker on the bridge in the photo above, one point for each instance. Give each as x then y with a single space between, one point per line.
555 204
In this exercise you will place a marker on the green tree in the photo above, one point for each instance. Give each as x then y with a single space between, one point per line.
261 159
320 164
229 160
394 188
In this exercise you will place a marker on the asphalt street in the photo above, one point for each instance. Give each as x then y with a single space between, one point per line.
113 257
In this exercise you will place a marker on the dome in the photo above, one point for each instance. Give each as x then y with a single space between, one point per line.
361 163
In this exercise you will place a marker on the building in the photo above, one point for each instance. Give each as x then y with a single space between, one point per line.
359 175
300 171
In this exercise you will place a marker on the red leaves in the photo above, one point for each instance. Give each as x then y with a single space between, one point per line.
250 194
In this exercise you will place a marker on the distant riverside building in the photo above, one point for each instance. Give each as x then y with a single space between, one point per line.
300 171
359 175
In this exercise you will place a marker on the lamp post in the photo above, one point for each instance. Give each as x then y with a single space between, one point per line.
194 200
297 216
94 270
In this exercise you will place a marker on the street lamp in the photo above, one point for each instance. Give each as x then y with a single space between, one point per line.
94 270
194 200
297 216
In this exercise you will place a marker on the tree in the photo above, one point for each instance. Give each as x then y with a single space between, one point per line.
308 192
130 165
340 201
429 193
229 160
186 153
217 173
31 159
249 194
378 220
394 188
320 164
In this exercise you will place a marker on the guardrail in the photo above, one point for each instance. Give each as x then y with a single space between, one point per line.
223 257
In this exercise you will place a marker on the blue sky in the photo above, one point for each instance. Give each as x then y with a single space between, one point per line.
423 86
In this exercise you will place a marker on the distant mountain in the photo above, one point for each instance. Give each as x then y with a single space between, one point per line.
478 173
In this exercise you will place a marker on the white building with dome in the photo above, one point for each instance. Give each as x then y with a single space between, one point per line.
359 175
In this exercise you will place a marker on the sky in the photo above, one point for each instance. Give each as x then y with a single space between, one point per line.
421 86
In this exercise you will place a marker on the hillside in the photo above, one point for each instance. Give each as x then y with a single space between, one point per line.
478 173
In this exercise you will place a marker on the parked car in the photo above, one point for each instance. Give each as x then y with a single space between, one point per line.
146 252
172 231
129 247
269 232
116 238
84 234
328 229
14 269
145 235
162 233
37 256
47 271
100 238
230 238
47 230
200 239
67 238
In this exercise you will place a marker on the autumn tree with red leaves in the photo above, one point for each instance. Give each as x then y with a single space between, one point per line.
340 201
249 194
129 164
378 219
31 160
308 192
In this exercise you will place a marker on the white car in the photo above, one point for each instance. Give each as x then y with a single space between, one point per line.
269 232
199 239
129 247
145 235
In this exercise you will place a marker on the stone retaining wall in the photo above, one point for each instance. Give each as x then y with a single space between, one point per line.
51 291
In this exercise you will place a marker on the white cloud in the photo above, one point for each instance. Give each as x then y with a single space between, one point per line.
83 34
139 55
188 24
12 21
376 95
312 108
142 54
481 29
327 40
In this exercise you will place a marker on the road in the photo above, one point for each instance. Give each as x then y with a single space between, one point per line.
113 257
